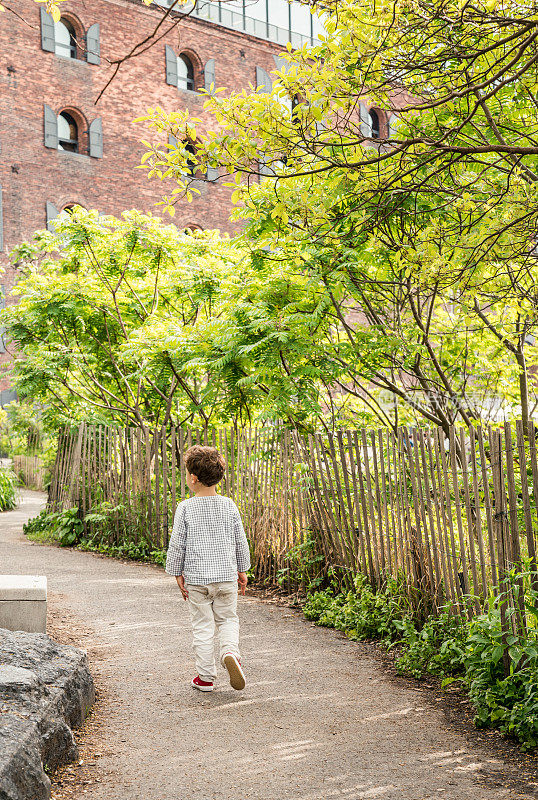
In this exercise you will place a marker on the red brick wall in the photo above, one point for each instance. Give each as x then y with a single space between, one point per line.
31 174
30 77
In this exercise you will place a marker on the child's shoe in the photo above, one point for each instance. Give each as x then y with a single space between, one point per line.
203 686
233 665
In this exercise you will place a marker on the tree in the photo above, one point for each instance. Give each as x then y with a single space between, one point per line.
132 322
438 211
92 298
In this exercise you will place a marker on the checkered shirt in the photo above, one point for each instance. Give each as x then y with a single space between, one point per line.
208 542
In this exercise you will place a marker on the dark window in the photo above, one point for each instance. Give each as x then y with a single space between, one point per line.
65 42
67 133
374 123
185 73
192 166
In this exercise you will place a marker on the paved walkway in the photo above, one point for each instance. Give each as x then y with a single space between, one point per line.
320 719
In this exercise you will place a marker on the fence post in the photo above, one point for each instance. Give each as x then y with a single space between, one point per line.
75 470
501 524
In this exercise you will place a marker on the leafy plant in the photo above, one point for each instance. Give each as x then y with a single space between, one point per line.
364 613
67 529
141 550
8 490
508 702
306 566
450 647
39 528
68 526
437 648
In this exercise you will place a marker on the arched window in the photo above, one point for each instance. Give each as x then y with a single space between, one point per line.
65 42
67 132
374 123
185 73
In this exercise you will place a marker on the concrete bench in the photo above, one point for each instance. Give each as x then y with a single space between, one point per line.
23 603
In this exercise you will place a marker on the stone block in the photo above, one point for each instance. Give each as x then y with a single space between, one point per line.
23 603
45 690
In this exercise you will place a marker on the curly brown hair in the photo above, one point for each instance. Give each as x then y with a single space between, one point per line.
206 463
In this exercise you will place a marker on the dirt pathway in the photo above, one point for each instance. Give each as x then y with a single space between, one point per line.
320 719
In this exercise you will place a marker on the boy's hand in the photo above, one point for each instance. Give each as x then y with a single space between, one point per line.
181 583
242 581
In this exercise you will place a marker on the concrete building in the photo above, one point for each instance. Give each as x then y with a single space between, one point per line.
59 146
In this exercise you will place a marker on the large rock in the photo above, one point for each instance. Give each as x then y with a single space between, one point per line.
45 690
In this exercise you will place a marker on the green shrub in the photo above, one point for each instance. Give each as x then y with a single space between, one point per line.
135 550
306 566
508 702
67 529
364 613
8 490
39 528
449 647
437 648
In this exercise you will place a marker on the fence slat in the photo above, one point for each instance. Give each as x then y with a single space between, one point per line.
373 521
427 499
488 507
444 550
459 584
529 532
420 504
501 525
478 515
470 520
515 548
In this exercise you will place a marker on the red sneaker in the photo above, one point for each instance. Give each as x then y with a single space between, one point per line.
233 665
203 686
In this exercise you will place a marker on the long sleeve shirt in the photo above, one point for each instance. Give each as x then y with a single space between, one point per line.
208 542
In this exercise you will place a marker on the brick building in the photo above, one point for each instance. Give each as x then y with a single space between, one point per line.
59 147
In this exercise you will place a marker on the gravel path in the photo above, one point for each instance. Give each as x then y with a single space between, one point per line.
320 717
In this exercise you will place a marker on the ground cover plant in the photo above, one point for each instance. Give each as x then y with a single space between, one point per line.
90 532
450 647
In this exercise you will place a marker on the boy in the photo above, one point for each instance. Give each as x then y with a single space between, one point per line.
208 553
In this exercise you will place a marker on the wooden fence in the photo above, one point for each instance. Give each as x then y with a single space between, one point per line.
30 470
452 515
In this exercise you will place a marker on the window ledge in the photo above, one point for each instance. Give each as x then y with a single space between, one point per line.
70 154
71 60
191 93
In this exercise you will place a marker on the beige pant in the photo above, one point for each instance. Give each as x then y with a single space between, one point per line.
210 605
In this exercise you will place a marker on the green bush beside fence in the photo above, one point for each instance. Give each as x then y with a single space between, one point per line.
8 490
448 646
